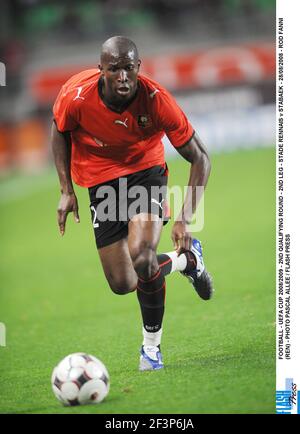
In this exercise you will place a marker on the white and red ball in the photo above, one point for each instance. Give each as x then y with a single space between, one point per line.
80 379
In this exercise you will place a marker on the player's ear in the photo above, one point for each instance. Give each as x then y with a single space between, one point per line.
100 67
139 64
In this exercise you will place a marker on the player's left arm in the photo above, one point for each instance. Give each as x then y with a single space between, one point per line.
195 153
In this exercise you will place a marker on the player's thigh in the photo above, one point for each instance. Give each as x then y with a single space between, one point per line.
117 266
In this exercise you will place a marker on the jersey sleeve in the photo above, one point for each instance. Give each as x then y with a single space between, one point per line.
64 118
172 120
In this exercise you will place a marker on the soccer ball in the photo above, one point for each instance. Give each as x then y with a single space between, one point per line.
80 379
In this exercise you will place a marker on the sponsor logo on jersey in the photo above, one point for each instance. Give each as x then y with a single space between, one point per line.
79 90
124 123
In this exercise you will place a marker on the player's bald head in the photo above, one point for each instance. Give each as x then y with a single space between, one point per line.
119 66
118 46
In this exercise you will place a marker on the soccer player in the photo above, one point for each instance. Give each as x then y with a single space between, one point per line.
107 128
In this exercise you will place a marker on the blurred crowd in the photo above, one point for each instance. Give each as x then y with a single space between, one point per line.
29 29
25 24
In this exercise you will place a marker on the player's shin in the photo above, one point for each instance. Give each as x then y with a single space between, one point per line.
151 296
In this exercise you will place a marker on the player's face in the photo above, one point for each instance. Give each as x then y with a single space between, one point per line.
120 73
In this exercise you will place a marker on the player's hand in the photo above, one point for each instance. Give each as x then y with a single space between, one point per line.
68 203
181 237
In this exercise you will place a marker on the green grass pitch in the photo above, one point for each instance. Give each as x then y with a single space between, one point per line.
219 355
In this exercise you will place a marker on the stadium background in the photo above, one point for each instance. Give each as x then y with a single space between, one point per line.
218 59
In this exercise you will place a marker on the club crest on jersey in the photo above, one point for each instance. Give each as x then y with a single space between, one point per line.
144 121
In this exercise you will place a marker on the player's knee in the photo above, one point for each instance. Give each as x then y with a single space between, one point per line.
120 287
143 259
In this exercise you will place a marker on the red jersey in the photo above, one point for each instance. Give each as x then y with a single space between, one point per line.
107 145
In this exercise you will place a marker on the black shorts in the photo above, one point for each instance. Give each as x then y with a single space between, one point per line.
114 203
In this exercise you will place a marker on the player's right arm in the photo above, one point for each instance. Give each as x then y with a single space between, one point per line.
61 148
